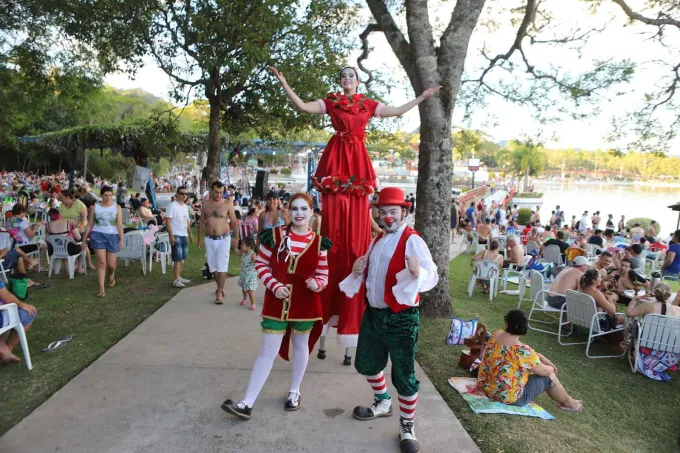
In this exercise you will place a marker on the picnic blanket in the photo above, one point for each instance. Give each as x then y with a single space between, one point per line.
480 404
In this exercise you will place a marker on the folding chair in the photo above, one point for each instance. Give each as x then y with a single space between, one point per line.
580 310
592 249
531 245
537 292
484 270
15 323
658 332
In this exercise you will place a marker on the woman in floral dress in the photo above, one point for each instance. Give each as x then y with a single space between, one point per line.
345 178
512 373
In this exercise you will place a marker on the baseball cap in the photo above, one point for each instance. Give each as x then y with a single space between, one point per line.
581 261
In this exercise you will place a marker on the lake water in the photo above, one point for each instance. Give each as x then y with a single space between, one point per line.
610 198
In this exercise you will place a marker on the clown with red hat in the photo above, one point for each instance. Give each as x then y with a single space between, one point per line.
397 267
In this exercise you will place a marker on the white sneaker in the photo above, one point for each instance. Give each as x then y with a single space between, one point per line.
184 280
178 284
407 437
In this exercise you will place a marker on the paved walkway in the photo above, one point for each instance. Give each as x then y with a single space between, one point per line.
160 389
497 196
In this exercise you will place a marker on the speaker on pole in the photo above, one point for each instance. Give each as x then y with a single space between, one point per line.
261 184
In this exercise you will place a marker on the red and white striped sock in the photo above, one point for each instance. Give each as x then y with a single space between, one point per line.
378 385
407 406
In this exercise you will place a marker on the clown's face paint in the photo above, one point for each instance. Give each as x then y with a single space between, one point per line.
349 80
300 212
391 218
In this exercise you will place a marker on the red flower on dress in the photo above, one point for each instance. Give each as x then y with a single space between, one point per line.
352 104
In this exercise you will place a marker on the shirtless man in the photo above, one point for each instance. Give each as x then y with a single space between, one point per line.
515 252
604 263
216 215
569 278
484 231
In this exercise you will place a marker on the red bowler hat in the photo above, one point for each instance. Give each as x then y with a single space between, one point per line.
391 196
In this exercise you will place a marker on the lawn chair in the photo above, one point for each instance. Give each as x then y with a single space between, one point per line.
15 323
478 246
472 241
658 332
552 254
592 249
60 252
5 243
537 292
134 249
515 269
581 311
160 248
502 244
126 215
484 270
39 236
531 245
7 207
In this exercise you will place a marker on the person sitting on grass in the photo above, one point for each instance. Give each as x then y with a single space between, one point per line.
27 314
512 373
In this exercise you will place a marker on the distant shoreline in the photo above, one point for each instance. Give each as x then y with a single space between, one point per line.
557 182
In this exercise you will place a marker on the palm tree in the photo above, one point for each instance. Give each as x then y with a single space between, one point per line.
528 158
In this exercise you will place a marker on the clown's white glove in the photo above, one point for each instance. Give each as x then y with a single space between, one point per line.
413 265
359 266
312 285
282 293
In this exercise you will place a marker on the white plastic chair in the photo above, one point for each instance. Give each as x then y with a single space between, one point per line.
502 244
126 215
6 208
59 252
515 269
580 310
15 323
39 236
133 249
472 240
658 332
531 245
591 250
539 303
5 243
478 246
552 254
484 270
162 242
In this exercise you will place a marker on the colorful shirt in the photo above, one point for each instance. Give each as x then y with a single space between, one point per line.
505 370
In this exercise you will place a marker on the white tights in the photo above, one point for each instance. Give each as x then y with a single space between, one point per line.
265 360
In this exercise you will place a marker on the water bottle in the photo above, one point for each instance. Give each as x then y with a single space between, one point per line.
654 281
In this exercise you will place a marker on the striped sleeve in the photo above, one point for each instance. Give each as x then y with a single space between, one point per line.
321 274
264 270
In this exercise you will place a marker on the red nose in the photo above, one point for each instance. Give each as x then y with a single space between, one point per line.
389 220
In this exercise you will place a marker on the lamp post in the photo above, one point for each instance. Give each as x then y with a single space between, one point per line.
473 166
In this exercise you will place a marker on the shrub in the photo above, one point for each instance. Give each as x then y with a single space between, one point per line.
286 171
529 195
523 216
273 171
644 223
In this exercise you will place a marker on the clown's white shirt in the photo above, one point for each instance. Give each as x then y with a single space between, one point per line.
407 288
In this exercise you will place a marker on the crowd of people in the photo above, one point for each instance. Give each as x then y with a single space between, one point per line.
611 264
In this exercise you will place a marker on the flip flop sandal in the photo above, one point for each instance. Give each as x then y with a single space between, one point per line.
101 295
243 302
55 345
65 339
218 302
112 282
252 308
571 409
41 286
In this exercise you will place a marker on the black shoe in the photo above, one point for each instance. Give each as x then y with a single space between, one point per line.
321 355
293 404
348 360
234 409
407 435
379 408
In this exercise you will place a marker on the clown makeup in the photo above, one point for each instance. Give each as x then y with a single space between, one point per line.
300 213
349 80
391 218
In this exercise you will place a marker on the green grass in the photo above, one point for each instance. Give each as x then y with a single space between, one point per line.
623 412
70 307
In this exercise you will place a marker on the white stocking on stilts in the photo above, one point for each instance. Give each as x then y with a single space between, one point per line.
263 366
322 348
348 357
300 360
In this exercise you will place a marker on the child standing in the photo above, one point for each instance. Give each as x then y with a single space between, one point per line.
248 279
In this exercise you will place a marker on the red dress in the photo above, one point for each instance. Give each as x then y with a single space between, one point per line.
345 178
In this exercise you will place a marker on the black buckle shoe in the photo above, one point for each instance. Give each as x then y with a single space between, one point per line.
348 360
321 355
234 409
293 404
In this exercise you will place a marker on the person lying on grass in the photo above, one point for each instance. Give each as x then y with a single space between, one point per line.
26 315
512 373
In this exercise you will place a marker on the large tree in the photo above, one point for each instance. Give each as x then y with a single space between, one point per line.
433 56
220 50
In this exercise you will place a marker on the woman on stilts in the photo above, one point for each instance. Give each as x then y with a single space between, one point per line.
345 178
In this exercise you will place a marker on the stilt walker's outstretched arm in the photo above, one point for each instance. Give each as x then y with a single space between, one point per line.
388 111
302 106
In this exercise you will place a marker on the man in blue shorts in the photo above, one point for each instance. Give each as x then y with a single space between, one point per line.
179 231
26 315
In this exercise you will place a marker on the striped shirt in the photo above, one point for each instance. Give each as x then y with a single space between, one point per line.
297 245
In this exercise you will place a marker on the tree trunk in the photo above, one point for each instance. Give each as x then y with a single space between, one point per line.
433 216
213 139
526 178
86 152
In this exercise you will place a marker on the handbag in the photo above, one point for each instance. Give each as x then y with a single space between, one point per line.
460 330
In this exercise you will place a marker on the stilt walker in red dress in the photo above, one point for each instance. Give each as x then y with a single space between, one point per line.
345 178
